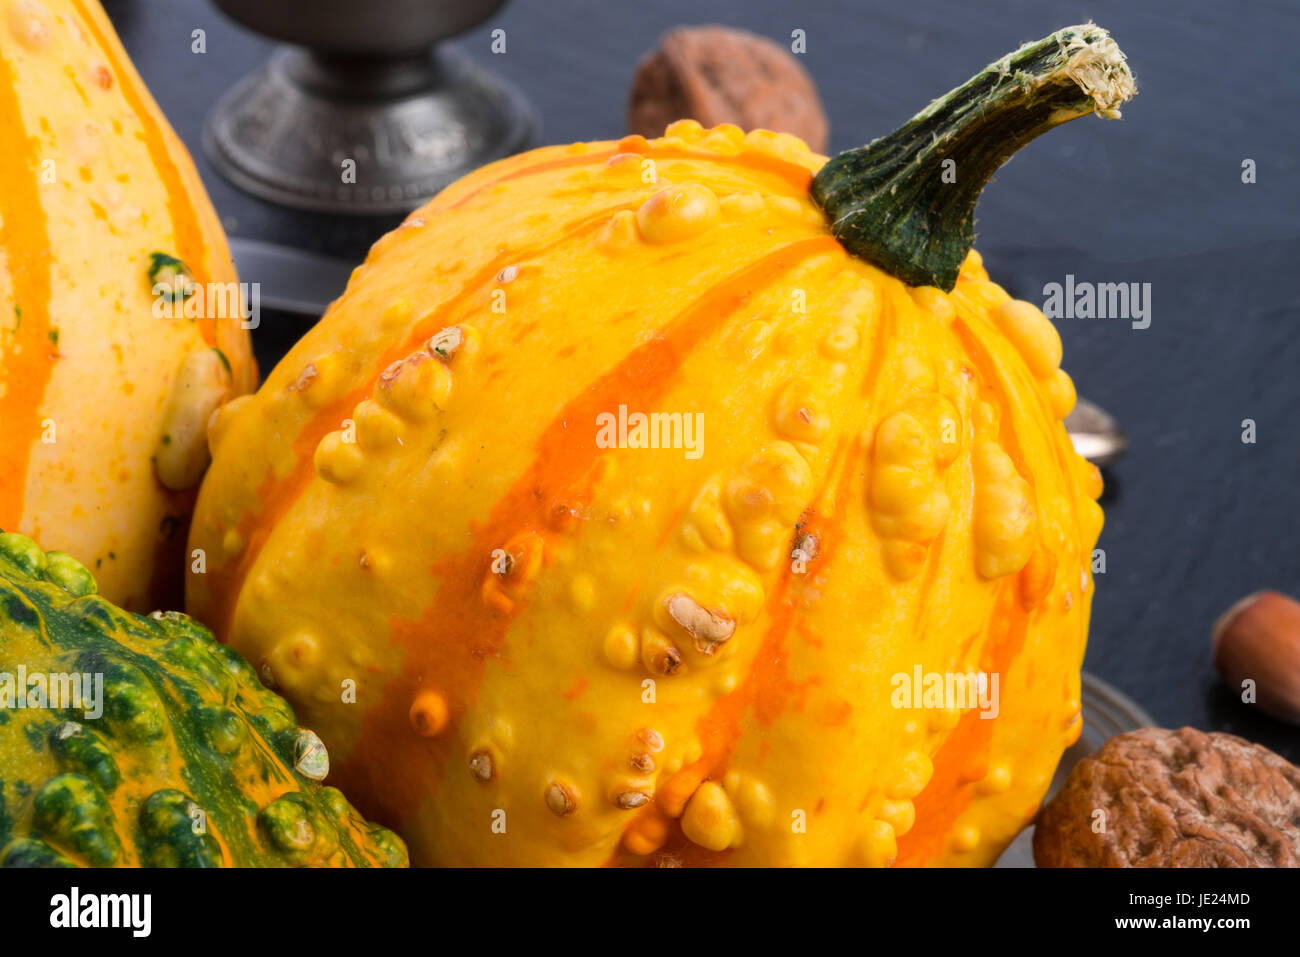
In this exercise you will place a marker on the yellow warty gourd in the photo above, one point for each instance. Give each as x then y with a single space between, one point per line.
536 627
103 401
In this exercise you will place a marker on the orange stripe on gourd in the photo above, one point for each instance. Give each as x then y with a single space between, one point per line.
29 363
950 789
767 686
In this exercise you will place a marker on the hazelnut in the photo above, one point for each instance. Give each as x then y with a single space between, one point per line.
1258 639
719 75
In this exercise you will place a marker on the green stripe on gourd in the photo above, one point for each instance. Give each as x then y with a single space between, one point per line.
192 763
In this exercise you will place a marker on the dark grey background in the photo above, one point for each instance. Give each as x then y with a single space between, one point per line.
1194 518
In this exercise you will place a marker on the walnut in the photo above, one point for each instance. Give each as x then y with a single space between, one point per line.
1158 798
720 75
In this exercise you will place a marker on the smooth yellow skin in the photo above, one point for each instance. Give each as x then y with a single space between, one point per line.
524 718
95 181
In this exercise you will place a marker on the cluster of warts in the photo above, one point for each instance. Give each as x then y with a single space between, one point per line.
410 390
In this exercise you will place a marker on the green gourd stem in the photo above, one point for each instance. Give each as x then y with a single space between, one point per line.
888 202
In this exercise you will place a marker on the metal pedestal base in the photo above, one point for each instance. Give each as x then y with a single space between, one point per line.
363 135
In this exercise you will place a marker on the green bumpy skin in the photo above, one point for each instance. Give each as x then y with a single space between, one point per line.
192 763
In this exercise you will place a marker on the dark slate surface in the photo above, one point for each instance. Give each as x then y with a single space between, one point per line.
1195 518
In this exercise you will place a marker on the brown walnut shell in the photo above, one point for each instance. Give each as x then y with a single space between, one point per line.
1174 799
720 75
